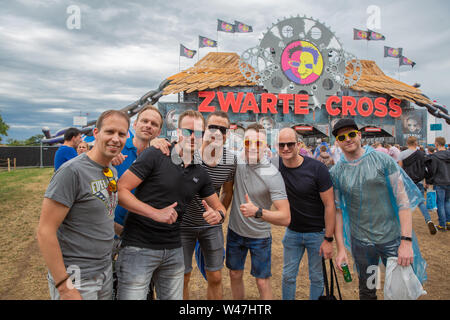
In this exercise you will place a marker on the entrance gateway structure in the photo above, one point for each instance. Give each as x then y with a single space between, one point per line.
299 75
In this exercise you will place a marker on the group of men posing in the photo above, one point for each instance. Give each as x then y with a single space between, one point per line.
173 195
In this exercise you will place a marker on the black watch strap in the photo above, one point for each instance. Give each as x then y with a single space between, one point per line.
329 239
222 215
259 213
406 238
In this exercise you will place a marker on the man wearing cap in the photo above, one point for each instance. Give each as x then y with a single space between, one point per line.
375 199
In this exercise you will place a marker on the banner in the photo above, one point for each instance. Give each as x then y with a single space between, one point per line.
242 27
404 61
392 52
224 26
360 34
185 52
205 42
372 35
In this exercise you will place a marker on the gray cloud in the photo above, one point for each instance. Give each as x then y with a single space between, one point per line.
125 48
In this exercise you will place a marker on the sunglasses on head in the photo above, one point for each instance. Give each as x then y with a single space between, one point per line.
112 185
189 132
248 142
351 135
213 128
290 145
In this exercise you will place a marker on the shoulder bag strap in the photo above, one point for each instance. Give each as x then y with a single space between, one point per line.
325 278
334 275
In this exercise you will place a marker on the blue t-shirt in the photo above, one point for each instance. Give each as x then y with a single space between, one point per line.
303 187
131 151
63 154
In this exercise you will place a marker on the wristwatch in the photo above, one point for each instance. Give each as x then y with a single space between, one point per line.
406 238
222 215
329 239
259 213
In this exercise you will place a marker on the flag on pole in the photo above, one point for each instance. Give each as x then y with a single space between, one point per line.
185 52
206 42
242 27
224 26
404 61
392 52
372 35
360 34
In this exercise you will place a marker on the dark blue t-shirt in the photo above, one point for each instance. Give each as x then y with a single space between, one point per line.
63 154
303 187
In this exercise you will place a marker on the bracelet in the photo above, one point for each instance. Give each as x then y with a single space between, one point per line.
406 238
62 281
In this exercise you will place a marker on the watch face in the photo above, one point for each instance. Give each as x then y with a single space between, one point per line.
258 213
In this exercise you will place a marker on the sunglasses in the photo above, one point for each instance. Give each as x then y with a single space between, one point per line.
112 185
290 145
213 128
351 135
189 132
248 142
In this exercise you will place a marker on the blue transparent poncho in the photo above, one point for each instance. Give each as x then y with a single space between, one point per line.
370 192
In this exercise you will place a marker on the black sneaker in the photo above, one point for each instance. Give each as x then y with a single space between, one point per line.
431 227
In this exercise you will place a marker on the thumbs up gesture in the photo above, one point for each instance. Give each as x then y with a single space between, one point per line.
168 214
248 209
210 215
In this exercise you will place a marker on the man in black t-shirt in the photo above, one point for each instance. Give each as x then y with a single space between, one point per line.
310 193
151 243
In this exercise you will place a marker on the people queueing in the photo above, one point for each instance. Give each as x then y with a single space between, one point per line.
374 199
195 226
313 213
412 160
257 186
76 227
151 242
68 150
438 175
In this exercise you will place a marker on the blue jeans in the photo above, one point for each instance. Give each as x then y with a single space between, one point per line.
294 244
367 256
138 265
260 253
443 204
422 205
99 287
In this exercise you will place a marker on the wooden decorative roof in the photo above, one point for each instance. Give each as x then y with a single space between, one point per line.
221 69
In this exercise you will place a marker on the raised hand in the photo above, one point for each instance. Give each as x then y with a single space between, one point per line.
210 215
168 214
248 209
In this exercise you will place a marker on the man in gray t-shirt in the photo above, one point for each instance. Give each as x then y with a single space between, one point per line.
76 228
258 186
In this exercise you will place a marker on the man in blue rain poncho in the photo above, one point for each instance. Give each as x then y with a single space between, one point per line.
375 199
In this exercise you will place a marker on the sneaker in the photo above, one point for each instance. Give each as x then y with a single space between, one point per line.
440 228
431 227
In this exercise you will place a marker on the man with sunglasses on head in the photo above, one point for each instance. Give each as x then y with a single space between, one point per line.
76 227
151 242
258 186
375 199
207 229
313 213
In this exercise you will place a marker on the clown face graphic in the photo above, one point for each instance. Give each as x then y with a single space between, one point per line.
302 62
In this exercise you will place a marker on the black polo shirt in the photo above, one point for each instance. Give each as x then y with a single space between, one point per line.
165 180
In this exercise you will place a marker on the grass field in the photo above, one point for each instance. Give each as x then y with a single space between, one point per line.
23 271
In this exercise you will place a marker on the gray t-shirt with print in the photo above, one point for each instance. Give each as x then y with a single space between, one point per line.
264 184
87 232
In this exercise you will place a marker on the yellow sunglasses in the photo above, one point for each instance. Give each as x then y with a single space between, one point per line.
350 135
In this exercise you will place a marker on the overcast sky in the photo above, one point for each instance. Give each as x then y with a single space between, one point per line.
51 73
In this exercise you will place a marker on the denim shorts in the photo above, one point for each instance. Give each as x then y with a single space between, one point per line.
211 243
260 253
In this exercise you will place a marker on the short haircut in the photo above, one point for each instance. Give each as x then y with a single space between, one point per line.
109 113
151 107
297 137
411 141
190 113
440 141
256 127
219 113
70 133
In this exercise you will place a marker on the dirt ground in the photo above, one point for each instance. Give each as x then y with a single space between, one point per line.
23 271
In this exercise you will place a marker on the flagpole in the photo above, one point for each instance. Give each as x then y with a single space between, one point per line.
217 48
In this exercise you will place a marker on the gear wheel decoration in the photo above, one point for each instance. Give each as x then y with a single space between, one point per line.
301 55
